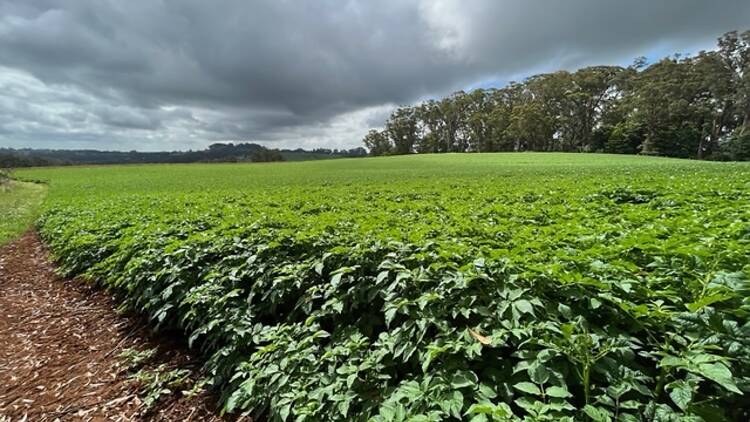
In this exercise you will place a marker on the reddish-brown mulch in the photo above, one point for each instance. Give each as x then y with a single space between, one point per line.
60 346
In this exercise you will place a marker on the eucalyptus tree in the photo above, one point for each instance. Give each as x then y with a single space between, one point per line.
378 143
590 93
402 128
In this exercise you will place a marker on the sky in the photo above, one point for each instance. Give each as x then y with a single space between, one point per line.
181 74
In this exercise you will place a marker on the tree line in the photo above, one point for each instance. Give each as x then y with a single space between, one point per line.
681 106
216 152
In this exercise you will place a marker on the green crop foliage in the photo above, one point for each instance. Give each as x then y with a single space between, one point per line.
19 205
489 287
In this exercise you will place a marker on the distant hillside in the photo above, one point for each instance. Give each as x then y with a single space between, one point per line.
218 152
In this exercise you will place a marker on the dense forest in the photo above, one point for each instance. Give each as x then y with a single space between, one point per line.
217 152
691 107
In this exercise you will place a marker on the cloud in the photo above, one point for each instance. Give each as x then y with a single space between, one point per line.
181 74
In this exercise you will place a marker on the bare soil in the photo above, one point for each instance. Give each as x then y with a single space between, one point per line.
60 346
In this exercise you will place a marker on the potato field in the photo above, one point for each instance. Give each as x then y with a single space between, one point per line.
492 287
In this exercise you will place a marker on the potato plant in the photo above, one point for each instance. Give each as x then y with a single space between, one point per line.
526 287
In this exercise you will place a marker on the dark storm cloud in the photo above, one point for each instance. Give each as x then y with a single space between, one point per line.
172 73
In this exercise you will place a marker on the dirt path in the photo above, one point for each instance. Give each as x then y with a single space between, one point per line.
60 345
